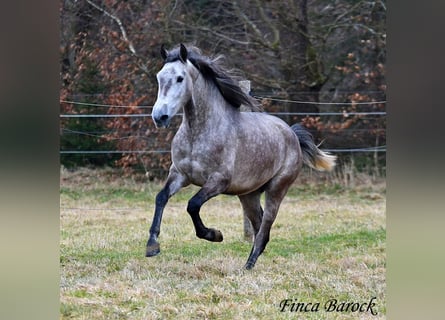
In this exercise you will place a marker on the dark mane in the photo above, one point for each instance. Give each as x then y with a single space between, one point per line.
213 71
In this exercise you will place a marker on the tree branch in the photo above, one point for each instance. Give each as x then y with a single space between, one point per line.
266 20
119 23
218 34
259 35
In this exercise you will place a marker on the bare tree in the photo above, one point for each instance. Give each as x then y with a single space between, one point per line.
296 50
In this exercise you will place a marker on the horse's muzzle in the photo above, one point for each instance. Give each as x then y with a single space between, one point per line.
162 121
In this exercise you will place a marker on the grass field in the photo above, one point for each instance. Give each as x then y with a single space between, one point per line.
328 242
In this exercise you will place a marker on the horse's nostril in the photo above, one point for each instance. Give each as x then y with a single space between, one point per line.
162 121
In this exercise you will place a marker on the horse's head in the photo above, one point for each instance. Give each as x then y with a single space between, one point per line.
175 86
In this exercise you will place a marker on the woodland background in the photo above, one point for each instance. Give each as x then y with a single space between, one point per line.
318 62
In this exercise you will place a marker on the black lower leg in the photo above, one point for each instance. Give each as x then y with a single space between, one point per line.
259 245
153 247
193 208
253 257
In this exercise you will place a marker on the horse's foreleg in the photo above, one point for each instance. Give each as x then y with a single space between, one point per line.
216 184
175 182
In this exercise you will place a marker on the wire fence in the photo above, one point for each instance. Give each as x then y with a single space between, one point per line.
145 115
79 103
343 113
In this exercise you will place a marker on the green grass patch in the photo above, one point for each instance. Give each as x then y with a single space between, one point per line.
327 242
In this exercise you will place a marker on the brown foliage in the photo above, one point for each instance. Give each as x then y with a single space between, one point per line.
296 50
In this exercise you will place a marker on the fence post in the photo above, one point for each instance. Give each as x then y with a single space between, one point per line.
248 230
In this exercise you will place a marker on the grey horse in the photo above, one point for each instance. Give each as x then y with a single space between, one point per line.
223 150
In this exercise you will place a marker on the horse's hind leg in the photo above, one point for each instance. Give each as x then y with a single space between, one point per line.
175 182
215 185
252 209
274 195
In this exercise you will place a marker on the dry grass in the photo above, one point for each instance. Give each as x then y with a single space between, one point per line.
327 242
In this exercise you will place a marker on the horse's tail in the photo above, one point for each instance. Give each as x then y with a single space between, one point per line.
312 156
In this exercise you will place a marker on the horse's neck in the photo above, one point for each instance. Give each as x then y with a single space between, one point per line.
207 108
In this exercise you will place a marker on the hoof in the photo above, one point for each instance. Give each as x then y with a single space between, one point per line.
211 235
153 250
217 236
249 266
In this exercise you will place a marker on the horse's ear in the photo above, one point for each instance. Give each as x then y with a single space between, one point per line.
164 52
183 53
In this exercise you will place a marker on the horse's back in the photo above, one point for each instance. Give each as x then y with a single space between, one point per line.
268 130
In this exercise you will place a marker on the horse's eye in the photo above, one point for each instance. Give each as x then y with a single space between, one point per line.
179 79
